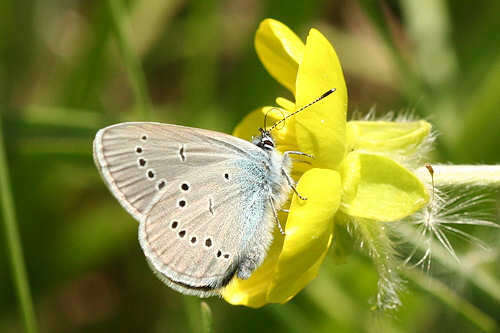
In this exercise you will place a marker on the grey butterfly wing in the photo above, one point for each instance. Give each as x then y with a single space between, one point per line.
133 156
198 239
193 184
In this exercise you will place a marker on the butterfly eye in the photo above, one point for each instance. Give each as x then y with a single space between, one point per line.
268 143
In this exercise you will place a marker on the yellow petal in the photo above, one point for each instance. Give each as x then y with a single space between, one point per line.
285 104
282 134
280 50
308 233
401 138
320 130
376 187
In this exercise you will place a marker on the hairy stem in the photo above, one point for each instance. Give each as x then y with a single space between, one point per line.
375 240
479 175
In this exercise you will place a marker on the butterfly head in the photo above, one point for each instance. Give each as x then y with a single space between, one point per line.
264 140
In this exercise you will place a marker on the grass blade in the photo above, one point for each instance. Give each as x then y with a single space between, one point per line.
132 63
14 244
449 297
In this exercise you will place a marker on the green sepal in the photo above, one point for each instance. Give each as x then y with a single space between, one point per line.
402 138
378 188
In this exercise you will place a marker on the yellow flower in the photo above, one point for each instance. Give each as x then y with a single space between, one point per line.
352 171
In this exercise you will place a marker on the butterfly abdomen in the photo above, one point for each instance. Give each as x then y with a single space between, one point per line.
274 186
281 189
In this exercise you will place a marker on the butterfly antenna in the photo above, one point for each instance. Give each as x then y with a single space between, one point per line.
268 111
265 119
302 108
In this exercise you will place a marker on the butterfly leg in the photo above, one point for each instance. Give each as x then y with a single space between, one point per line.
292 185
293 152
276 216
300 161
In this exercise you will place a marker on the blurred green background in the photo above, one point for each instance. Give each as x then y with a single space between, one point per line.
68 68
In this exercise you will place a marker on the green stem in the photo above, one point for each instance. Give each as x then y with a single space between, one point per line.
14 244
192 310
206 318
199 315
132 62
378 245
478 175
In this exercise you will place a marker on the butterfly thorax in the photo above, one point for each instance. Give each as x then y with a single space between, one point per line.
278 165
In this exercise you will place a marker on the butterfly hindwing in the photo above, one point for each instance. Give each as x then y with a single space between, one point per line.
197 237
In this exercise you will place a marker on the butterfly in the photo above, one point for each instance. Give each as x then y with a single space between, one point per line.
206 201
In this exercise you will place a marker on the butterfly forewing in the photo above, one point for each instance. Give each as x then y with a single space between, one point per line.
138 159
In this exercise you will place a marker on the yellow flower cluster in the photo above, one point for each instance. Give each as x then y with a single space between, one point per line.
351 176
